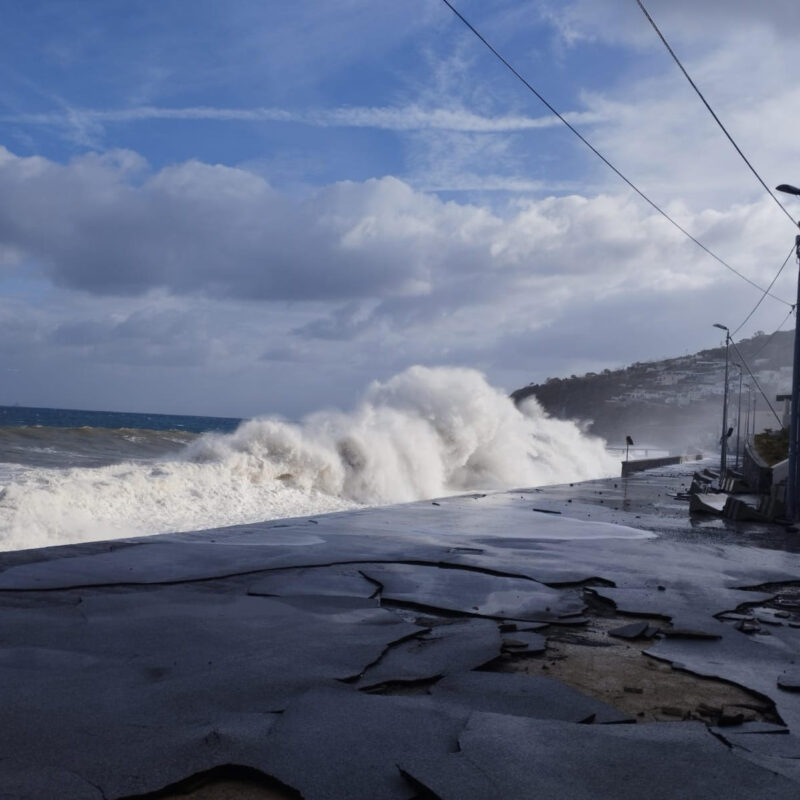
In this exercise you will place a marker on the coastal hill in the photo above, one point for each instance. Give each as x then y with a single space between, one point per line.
675 403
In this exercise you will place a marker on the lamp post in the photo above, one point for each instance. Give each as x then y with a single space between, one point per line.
723 457
794 419
738 415
747 416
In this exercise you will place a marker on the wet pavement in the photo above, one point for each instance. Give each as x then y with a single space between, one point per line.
651 500
473 647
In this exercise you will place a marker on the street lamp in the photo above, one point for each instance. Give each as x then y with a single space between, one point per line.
738 415
747 415
794 420
723 457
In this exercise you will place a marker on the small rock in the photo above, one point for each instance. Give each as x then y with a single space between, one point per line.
748 714
660 587
747 626
735 715
633 689
790 681
632 631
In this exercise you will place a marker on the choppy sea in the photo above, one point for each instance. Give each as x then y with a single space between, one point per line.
61 438
70 476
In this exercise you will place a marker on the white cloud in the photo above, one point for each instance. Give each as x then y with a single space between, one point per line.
690 21
413 117
354 258
107 226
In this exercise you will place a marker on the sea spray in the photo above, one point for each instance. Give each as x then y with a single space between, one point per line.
426 432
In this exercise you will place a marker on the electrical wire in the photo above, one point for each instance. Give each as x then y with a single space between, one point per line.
761 299
758 386
772 335
735 146
713 113
608 163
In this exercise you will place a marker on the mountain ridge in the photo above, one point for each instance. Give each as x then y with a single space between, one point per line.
674 402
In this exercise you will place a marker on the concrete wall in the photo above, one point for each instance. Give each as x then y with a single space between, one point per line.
650 463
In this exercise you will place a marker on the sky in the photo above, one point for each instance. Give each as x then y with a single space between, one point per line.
261 207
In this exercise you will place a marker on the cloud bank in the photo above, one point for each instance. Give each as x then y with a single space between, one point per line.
106 225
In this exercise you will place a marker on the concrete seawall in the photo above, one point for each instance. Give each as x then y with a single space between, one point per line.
649 463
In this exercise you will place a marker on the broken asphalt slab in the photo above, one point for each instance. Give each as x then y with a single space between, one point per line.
127 667
507 756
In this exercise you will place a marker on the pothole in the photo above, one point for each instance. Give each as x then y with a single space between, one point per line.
617 672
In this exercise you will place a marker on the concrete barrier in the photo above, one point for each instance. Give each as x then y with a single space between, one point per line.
650 463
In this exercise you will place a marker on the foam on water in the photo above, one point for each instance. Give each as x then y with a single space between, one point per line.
424 433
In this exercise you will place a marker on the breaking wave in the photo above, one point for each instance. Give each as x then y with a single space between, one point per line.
424 433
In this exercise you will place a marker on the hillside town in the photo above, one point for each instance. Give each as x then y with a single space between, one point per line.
675 403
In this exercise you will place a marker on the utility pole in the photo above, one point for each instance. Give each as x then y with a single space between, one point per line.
738 416
747 416
794 415
794 419
723 456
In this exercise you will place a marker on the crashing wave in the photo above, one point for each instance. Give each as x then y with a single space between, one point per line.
424 433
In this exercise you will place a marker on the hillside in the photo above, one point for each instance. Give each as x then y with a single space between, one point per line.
675 403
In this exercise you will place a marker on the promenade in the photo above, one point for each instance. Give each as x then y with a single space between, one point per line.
581 641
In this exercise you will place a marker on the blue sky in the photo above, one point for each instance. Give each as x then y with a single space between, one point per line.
261 207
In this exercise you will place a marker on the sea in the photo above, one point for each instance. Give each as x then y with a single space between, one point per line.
62 438
72 475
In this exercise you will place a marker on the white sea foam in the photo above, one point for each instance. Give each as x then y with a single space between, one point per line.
424 433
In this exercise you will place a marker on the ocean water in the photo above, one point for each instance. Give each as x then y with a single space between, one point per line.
70 476
55 437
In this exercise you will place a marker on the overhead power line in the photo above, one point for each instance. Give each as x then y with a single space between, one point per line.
735 146
750 372
608 163
761 299
713 113
773 334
